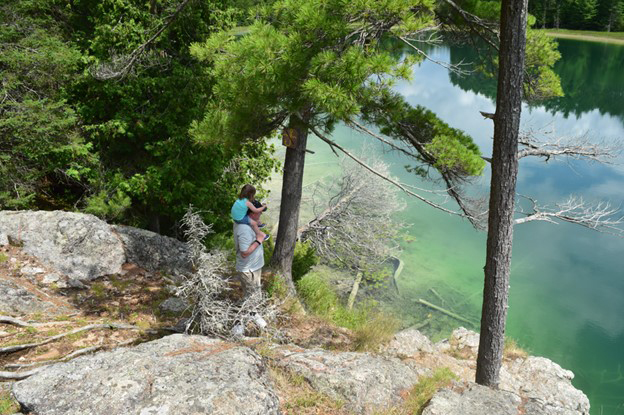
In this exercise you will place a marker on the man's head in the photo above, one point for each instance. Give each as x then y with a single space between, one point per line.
257 205
253 215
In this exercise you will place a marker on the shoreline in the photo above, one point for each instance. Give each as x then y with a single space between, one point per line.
583 36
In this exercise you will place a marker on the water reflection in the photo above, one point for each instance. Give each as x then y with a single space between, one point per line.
567 284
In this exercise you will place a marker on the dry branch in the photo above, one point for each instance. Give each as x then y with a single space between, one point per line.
575 148
401 186
19 347
445 311
120 66
18 375
601 217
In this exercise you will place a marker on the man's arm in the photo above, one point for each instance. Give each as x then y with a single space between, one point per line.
247 243
254 245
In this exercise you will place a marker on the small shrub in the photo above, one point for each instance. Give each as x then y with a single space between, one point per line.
3 258
320 299
375 332
317 295
423 391
7 404
512 350
305 258
276 287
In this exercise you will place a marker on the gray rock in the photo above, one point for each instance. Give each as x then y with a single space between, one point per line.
152 251
463 338
32 271
408 343
537 379
51 278
74 283
17 301
78 245
174 305
177 374
363 381
545 381
472 399
4 240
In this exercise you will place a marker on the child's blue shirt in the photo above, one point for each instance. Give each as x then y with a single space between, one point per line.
239 209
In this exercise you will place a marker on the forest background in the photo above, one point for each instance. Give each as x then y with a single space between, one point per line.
81 129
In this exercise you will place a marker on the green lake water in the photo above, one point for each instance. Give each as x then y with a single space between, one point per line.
567 282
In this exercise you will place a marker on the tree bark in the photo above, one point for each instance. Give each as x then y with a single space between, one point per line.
292 184
502 190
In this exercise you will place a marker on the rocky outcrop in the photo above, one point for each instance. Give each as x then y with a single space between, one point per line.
182 374
152 251
84 247
18 301
531 385
545 383
364 382
177 374
473 399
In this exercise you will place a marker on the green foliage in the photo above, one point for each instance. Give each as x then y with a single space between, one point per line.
579 14
301 56
8 405
319 298
423 391
305 258
377 330
44 160
3 258
450 154
540 81
448 149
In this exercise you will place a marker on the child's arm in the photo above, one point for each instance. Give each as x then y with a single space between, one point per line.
254 209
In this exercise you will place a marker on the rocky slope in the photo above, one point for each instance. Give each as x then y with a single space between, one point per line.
183 374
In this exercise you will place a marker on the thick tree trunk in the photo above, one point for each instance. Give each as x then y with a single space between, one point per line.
291 201
502 190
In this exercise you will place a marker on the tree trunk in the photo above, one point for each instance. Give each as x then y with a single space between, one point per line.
291 201
502 190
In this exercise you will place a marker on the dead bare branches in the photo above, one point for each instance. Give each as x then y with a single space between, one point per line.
354 227
601 217
574 147
455 68
213 311
396 183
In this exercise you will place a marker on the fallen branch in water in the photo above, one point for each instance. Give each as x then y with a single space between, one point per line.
445 311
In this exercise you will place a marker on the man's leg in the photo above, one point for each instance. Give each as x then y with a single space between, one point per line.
250 280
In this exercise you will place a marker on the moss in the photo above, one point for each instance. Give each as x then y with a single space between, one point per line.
3 258
8 405
99 290
422 392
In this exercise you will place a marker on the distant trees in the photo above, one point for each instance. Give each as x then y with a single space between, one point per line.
605 15
44 159
96 104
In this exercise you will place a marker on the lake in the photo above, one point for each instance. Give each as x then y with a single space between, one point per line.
567 282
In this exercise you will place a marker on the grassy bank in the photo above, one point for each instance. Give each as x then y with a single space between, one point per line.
605 37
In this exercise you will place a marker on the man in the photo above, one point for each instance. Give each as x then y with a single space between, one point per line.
249 256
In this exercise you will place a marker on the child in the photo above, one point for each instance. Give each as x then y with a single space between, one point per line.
244 203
